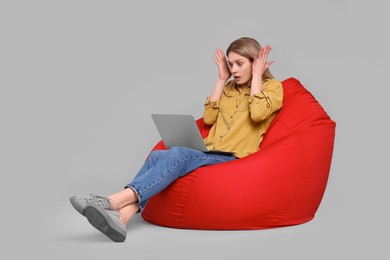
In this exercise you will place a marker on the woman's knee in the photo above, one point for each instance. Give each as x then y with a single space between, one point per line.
182 153
156 154
177 151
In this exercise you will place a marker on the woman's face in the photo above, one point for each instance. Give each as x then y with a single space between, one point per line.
241 68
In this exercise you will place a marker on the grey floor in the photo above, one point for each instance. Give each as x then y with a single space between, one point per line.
68 234
79 80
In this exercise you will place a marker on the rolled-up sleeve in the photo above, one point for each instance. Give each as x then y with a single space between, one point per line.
267 102
211 109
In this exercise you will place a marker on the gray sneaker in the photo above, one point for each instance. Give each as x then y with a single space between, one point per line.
106 221
79 203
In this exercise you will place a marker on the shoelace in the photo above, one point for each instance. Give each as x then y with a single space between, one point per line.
104 202
99 200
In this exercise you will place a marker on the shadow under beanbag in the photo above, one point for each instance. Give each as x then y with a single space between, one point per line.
280 185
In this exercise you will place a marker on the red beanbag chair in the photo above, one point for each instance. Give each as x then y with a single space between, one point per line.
280 185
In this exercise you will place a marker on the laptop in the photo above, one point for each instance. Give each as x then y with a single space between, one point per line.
181 130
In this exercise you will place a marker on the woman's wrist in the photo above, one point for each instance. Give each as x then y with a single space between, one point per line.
256 86
217 92
222 80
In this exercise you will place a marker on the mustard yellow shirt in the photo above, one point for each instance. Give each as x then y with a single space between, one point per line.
240 120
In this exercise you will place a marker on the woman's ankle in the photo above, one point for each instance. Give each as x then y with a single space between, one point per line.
127 212
122 199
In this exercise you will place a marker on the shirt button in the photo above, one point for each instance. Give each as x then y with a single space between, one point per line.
236 106
231 117
220 136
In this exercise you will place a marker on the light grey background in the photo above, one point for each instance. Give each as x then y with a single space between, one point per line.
79 80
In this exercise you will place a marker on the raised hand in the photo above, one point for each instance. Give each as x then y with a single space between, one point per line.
220 60
260 63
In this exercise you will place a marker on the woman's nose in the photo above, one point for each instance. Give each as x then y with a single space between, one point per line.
233 69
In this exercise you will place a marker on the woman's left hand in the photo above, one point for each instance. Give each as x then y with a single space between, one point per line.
260 63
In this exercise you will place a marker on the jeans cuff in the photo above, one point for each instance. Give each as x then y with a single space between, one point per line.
140 208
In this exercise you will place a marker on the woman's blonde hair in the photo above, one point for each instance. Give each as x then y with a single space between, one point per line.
249 48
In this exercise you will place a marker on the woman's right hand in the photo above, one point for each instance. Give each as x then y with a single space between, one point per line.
223 69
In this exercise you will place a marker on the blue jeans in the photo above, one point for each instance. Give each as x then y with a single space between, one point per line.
164 166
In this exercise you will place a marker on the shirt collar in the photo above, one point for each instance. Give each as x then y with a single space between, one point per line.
232 90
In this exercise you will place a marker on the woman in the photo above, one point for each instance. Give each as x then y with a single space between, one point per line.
239 111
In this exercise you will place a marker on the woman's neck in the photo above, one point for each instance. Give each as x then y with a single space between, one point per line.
244 86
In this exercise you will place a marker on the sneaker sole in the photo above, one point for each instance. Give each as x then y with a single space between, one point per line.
77 207
98 218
